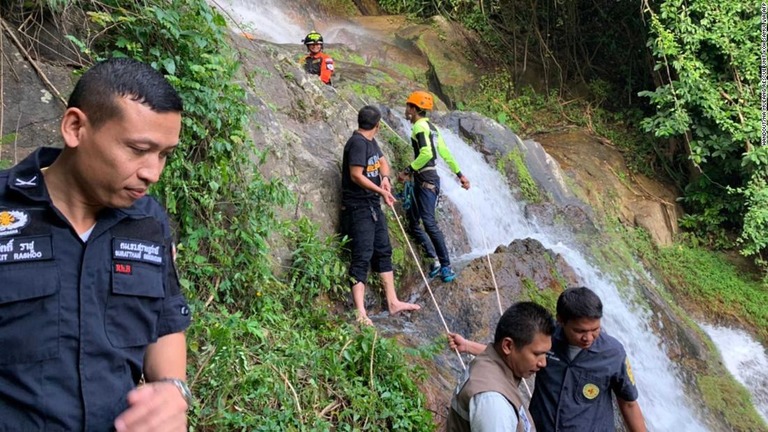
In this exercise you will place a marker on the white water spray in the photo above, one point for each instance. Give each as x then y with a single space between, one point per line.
747 361
264 19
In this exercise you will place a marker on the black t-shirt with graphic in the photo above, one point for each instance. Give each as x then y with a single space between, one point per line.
360 151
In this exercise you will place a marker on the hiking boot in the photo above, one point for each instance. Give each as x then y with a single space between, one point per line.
447 274
434 269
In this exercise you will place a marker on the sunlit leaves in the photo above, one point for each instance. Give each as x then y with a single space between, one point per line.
705 53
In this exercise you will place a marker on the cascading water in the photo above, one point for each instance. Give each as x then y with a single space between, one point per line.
266 20
747 361
662 396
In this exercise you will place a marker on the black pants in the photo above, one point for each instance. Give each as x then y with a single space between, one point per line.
369 244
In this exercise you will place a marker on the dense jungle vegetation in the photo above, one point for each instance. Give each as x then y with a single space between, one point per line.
678 77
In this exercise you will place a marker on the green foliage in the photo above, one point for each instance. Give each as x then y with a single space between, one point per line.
527 113
709 100
8 139
719 391
366 91
316 265
709 281
525 182
422 8
753 233
544 297
265 355
309 374
339 7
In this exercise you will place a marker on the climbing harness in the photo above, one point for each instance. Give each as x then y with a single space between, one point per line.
406 196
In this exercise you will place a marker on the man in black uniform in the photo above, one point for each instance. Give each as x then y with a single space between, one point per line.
365 178
89 297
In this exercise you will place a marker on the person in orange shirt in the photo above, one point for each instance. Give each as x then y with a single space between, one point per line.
316 61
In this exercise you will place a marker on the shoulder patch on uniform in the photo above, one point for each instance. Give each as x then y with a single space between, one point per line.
590 391
629 371
32 182
12 221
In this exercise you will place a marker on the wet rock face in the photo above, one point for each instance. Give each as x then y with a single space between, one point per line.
486 135
598 175
32 111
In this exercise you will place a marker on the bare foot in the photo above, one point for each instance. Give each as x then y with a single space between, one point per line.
364 320
396 308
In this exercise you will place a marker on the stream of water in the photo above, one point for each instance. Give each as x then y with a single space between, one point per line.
264 19
747 361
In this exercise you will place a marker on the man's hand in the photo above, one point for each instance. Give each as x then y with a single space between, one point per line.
457 342
464 182
386 184
389 199
403 176
154 407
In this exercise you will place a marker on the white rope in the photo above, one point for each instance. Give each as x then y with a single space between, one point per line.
426 282
488 258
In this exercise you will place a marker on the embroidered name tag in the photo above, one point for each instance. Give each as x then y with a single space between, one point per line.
19 249
136 250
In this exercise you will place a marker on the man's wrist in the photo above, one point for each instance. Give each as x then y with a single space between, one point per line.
383 177
181 385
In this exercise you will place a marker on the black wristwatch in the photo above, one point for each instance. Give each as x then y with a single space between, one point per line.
183 389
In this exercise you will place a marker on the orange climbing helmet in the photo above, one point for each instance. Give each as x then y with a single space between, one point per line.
421 99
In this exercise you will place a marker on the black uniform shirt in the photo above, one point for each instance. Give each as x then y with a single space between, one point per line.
76 317
575 395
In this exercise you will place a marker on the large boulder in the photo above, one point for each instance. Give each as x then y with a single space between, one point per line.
448 47
599 175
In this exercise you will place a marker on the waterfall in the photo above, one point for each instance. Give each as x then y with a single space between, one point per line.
265 19
490 214
746 360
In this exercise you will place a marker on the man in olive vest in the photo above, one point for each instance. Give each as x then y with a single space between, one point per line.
488 398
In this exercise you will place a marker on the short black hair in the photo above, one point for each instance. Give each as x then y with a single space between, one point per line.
522 322
577 303
97 90
368 117
420 111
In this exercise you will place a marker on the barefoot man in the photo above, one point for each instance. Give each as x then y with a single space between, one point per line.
364 181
